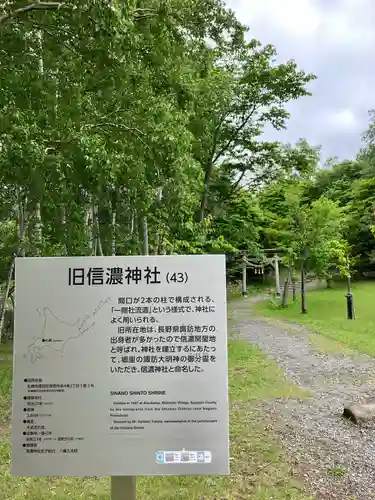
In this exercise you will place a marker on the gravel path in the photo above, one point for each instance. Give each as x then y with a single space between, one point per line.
337 458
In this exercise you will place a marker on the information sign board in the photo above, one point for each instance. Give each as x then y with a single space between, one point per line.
120 366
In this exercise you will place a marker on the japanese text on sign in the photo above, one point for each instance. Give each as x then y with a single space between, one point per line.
119 276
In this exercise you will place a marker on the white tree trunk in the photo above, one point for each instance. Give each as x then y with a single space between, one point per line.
98 243
113 242
145 235
159 197
132 222
89 228
38 230
5 298
22 228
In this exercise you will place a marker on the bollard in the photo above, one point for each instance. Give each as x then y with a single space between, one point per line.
350 305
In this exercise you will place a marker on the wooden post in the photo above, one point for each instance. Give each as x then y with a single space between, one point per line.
277 275
123 488
244 279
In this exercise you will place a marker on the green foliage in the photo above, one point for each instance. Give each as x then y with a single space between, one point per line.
312 232
352 185
117 111
158 111
200 237
327 247
242 94
8 246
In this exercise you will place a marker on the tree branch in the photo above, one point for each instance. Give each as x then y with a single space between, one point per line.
237 183
143 13
136 132
216 135
116 125
32 6
235 134
66 45
116 110
56 28
209 167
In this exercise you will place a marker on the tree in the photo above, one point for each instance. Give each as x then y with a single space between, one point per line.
312 232
328 248
336 182
244 91
360 220
108 111
77 114
239 221
351 185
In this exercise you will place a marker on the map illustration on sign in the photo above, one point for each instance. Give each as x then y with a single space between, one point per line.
56 333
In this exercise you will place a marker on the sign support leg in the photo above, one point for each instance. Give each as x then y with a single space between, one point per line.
123 488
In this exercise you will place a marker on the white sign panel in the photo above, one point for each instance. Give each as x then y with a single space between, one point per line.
120 366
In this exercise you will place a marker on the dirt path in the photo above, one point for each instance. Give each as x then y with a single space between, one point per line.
336 458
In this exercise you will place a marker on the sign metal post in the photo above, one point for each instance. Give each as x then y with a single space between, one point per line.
123 488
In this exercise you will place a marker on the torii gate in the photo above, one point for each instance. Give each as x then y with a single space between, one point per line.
274 261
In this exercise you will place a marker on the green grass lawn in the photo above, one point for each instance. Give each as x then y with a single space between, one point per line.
326 315
259 470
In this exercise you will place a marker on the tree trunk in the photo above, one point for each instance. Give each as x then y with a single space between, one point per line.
40 43
5 298
99 246
136 233
113 242
98 241
159 197
63 229
145 235
63 217
38 231
89 228
21 228
284 300
204 196
132 221
277 275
